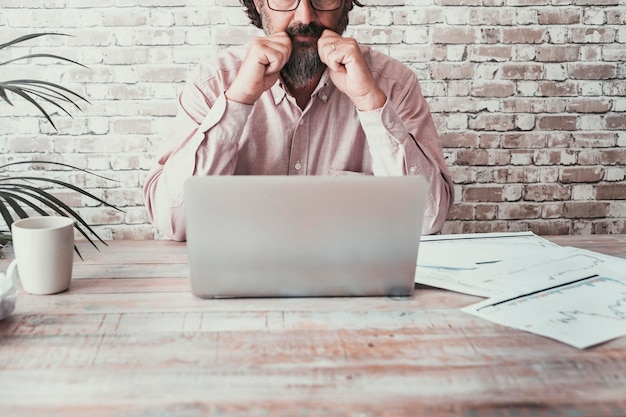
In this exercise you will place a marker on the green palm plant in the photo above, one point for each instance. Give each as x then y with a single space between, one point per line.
23 194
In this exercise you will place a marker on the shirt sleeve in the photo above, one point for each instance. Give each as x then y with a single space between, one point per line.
403 140
201 140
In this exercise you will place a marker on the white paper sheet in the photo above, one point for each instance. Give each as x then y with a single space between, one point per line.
572 295
478 264
581 314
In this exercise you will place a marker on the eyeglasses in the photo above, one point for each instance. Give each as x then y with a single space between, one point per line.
291 5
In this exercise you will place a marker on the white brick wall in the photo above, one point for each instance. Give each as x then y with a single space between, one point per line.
529 98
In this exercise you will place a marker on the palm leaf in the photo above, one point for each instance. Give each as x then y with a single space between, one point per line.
29 37
11 195
29 56
33 90
66 185
60 164
17 192
18 195
55 204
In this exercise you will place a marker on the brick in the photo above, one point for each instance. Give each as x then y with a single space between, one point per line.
552 210
617 226
551 88
486 211
511 211
461 212
593 35
594 140
583 192
597 2
484 193
459 140
562 16
613 53
616 16
546 192
578 210
497 122
581 174
550 227
516 175
163 73
616 121
611 156
615 174
582 227
593 71
417 16
557 122
379 35
491 53
522 71
611 192
565 53
524 140
523 35
559 140
555 157
446 71
589 105
614 88
463 175
455 35
493 89
479 16
472 157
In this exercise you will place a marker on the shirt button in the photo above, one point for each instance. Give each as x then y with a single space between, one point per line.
413 169
298 165
324 97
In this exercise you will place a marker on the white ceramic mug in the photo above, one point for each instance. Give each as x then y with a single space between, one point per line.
44 253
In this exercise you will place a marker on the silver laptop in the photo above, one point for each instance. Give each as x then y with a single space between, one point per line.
308 236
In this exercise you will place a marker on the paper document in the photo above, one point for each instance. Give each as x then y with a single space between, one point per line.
472 263
572 295
582 313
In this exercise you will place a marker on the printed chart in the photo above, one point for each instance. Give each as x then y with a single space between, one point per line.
582 313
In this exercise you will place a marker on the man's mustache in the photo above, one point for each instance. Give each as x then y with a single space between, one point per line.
300 29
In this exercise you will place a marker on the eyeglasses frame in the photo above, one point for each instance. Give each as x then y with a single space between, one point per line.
310 3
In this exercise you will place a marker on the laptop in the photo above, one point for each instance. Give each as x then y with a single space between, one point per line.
303 236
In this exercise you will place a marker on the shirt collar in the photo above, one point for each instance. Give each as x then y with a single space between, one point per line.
279 90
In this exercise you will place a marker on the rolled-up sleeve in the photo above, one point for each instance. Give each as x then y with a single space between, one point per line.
403 140
201 140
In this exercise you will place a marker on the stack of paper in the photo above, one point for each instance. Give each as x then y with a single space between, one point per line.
572 295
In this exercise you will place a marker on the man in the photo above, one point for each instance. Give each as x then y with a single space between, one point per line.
302 100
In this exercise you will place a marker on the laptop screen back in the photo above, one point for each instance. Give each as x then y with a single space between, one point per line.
278 236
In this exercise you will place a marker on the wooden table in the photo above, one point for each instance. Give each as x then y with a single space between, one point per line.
128 339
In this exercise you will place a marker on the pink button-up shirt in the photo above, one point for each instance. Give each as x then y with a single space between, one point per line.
215 136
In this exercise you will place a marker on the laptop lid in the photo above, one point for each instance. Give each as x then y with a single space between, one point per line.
285 236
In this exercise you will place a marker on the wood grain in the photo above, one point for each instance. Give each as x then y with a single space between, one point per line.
128 339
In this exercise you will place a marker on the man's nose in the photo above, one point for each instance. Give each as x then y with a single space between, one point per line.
304 13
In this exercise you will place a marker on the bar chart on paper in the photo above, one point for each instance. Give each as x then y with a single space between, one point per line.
582 313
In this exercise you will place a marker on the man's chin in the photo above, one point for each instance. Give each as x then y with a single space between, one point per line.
304 46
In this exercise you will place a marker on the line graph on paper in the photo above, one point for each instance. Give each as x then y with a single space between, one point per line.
594 308
569 266
582 314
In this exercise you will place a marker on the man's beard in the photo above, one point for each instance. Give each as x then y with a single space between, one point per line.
304 63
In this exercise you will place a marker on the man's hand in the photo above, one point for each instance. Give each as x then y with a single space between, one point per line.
261 67
349 71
